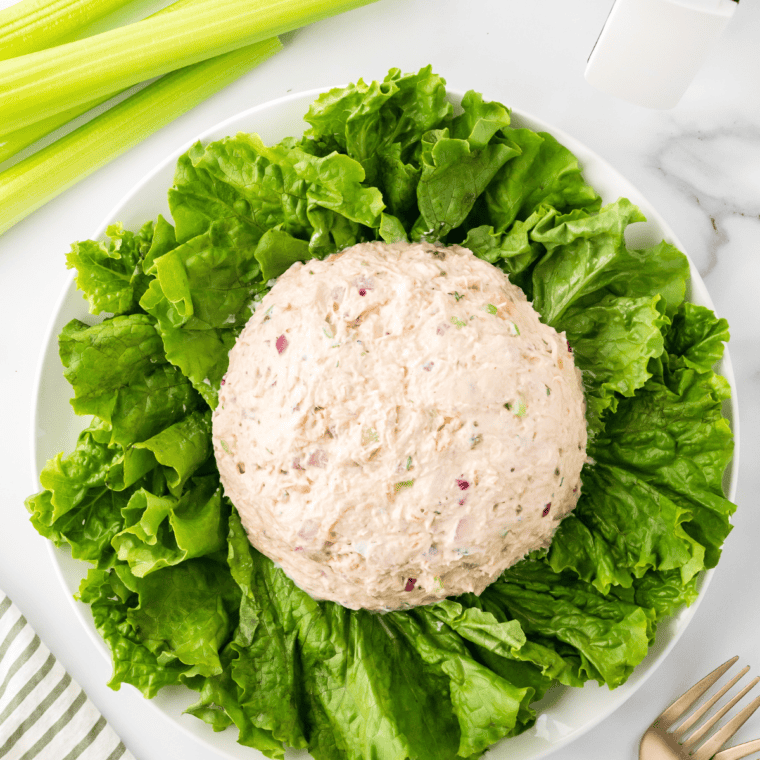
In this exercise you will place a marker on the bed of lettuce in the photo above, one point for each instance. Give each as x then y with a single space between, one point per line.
175 588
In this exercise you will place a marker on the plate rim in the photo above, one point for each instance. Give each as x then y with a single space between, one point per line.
685 616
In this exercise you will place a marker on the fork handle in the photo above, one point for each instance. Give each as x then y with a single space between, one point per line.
740 750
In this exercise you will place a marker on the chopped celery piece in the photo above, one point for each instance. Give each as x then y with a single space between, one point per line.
32 25
44 83
34 181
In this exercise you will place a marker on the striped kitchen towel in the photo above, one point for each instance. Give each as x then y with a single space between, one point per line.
44 714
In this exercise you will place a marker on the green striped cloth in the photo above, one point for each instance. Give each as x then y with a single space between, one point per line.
44 713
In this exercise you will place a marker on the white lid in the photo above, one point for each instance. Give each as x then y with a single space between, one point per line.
649 50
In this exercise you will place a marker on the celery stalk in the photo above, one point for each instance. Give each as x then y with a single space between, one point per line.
36 24
41 84
16 141
12 143
34 181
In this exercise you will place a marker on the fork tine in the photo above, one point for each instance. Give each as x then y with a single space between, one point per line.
686 700
739 751
697 714
715 742
702 731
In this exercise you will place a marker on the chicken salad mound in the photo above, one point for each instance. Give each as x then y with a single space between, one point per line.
398 426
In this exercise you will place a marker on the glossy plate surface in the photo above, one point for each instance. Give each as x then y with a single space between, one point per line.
565 714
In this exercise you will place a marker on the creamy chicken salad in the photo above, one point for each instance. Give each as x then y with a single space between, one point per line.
397 425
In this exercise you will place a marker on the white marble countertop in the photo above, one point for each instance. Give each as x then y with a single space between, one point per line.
699 165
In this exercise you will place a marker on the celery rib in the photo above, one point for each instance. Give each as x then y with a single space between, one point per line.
14 142
38 179
41 84
32 25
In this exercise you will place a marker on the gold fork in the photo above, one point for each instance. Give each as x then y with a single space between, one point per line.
665 740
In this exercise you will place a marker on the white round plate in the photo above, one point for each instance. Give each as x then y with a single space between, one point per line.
565 714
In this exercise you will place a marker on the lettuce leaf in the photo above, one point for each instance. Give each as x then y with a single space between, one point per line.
661 460
613 342
367 121
183 614
513 251
101 359
133 662
68 479
545 172
88 527
696 338
580 246
200 299
254 188
454 174
112 277
609 636
165 530
637 525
